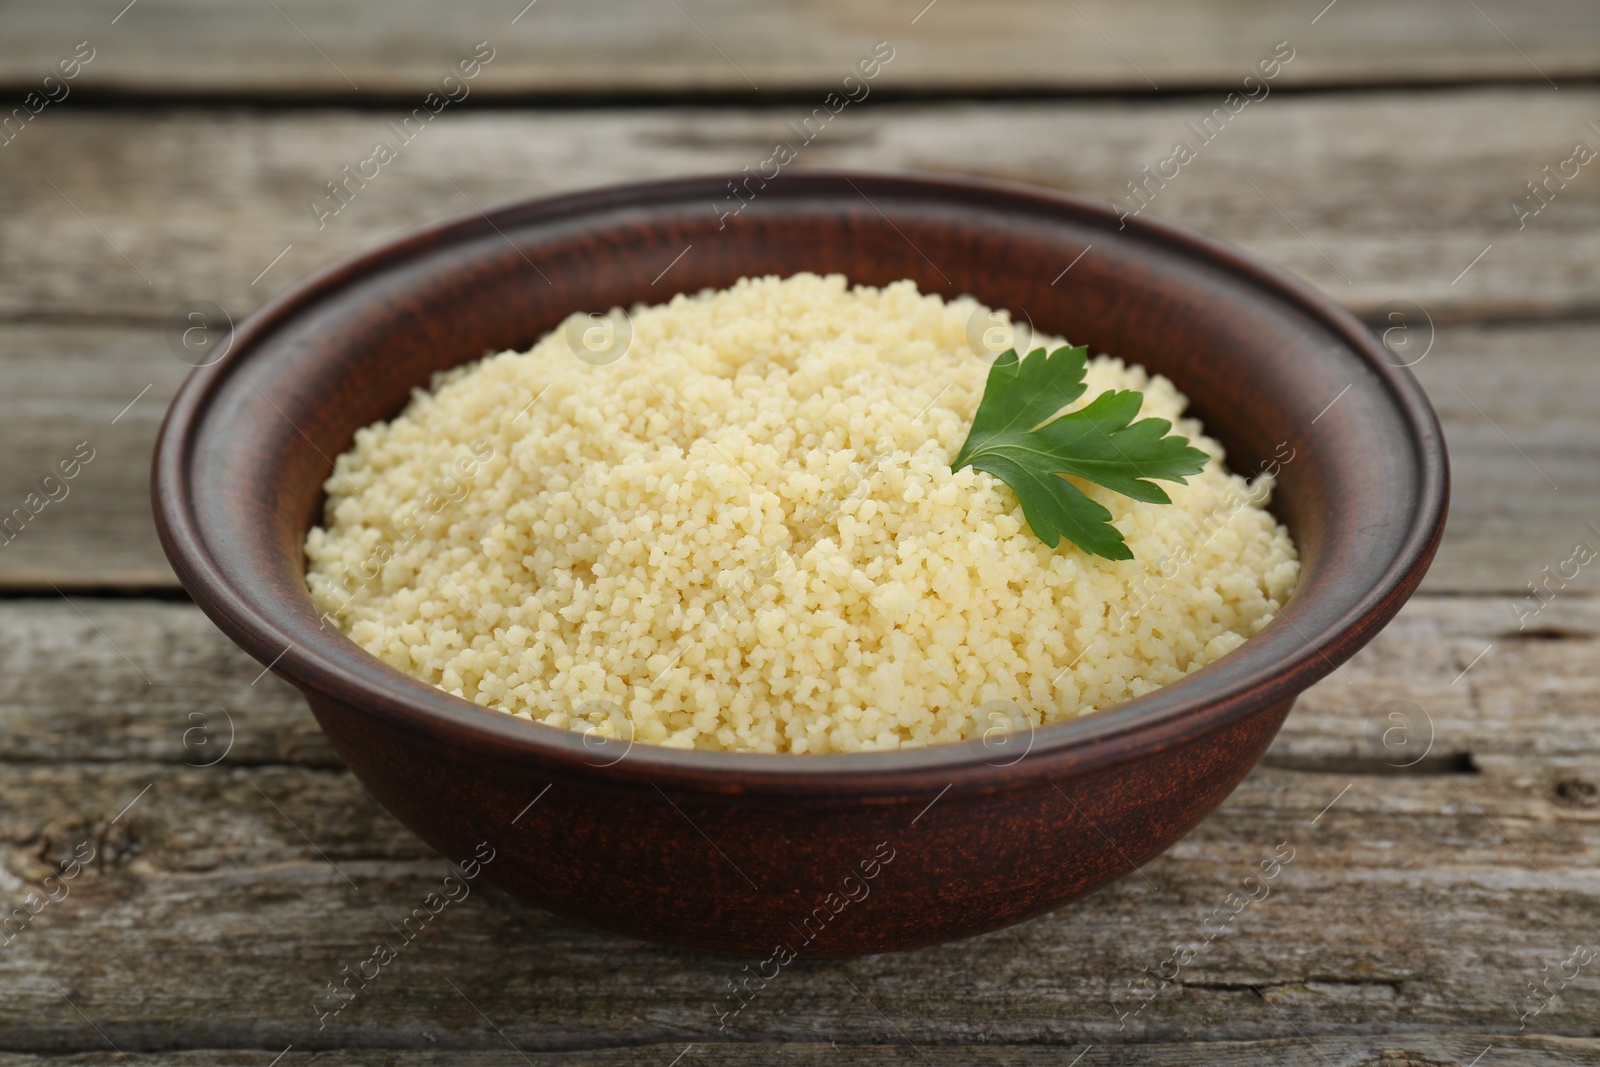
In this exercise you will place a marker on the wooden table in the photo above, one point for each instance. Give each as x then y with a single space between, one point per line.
1441 793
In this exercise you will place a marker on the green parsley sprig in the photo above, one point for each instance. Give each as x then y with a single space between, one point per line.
1020 436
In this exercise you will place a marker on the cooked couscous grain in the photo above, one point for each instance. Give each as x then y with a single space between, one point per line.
744 534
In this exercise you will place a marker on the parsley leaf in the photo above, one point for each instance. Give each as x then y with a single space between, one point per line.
1018 436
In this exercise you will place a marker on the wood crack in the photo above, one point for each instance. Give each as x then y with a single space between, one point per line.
1431 765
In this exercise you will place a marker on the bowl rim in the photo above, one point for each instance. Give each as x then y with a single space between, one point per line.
1170 715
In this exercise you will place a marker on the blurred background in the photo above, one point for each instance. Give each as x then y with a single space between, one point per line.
1432 165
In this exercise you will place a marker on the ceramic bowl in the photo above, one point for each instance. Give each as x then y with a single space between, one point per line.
804 855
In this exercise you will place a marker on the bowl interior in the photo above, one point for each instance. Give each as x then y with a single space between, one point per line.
1261 358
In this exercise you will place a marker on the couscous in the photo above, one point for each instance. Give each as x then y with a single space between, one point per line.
742 532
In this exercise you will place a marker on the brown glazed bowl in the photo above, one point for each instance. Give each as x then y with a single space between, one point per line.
781 854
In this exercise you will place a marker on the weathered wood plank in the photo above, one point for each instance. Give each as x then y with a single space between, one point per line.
1515 401
235 211
1422 900
1455 680
95 391
1395 1050
141 680
1402 908
150 209
346 50
1516 405
156 682
254 880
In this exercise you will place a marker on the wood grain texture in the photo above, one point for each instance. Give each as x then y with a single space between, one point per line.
1525 461
204 224
1418 902
107 680
1398 1050
1372 197
349 50
69 387
1420 905
1530 383
208 919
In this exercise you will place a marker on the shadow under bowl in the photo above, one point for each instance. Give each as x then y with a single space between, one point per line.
834 854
